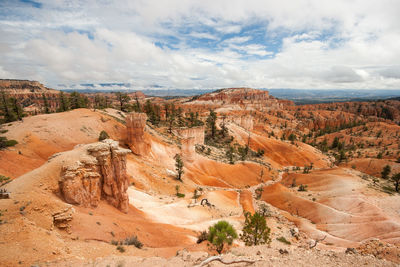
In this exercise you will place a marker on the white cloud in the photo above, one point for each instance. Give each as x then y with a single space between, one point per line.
325 44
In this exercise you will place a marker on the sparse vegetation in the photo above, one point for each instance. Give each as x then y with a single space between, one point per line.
103 135
4 142
178 194
129 241
283 240
302 188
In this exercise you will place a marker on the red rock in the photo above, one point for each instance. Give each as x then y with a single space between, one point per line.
135 126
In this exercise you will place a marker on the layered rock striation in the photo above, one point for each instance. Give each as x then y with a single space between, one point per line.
30 93
99 174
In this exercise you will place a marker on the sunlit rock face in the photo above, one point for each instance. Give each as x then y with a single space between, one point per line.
135 126
99 174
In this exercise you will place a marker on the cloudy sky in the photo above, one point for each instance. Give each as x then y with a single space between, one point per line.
202 43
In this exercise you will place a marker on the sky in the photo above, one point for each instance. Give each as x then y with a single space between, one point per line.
202 44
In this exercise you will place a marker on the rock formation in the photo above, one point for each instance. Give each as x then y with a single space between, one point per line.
189 138
100 173
247 122
30 93
245 98
135 125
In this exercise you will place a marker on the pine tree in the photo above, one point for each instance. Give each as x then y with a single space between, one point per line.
45 104
386 171
17 108
179 166
255 230
123 100
63 102
7 111
211 123
220 234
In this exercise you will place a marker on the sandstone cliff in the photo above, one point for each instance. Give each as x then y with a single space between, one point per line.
30 93
100 173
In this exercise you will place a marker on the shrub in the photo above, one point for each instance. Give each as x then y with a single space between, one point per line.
203 236
4 179
220 234
133 240
103 135
6 143
302 188
255 230
259 153
283 240
121 249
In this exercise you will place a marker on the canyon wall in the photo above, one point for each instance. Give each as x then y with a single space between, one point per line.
135 126
99 174
30 94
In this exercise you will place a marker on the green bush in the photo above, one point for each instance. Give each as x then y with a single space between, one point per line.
133 240
121 249
103 135
302 188
6 143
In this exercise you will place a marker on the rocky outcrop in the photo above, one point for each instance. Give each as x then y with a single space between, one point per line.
135 126
62 218
100 173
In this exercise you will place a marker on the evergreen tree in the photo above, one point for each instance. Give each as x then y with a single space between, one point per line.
386 171
211 123
255 230
7 111
46 106
77 100
179 166
123 100
396 181
63 102
220 234
229 154
17 108
335 142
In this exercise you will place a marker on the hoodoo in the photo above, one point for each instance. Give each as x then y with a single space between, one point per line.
101 172
135 125
190 137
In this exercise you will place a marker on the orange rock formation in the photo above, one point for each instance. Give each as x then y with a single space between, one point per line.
99 173
135 125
